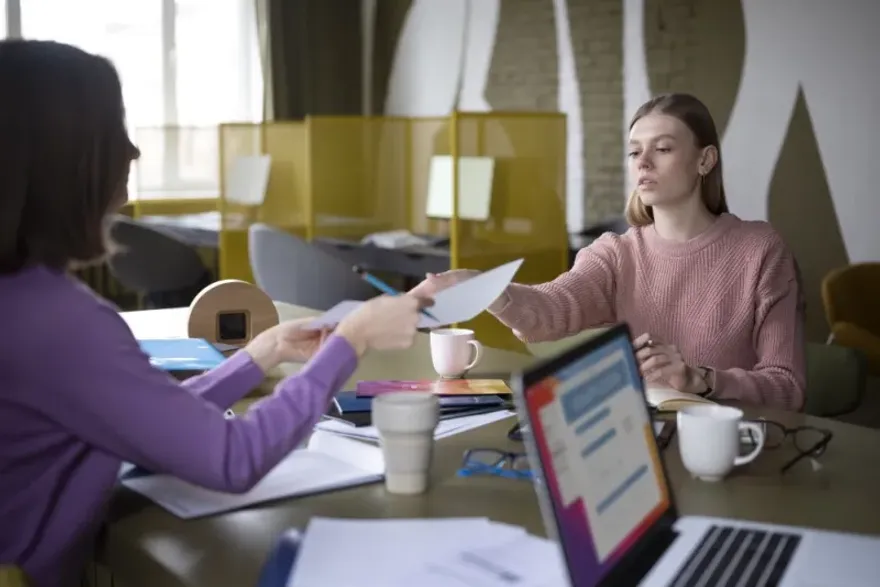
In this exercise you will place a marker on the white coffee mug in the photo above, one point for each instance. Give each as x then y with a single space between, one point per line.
709 440
454 351
406 421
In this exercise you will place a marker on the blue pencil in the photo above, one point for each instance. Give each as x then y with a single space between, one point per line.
384 287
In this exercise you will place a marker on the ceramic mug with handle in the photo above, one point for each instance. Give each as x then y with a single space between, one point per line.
454 351
709 440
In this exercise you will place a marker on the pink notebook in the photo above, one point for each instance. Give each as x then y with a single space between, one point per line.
438 386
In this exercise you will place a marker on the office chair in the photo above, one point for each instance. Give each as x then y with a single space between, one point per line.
166 271
850 296
291 270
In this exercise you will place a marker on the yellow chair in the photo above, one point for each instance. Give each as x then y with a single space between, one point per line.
11 576
851 296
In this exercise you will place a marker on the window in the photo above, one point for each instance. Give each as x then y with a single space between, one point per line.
185 64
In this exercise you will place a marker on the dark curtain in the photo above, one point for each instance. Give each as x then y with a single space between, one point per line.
312 57
389 20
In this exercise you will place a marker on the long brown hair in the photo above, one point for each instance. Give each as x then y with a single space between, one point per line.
694 114
64 154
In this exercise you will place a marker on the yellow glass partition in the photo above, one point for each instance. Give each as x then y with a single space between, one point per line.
346 177
527 212
287 203
366 174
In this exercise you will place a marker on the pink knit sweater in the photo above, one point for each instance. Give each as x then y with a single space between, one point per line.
729 299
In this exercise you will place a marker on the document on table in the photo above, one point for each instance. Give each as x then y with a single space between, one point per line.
444 428
524 561
329 462
459 303
386 552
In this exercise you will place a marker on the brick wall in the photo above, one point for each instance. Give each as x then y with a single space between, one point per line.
524 75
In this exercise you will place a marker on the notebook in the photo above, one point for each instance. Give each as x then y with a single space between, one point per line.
356 410
328 462
666 399
438 387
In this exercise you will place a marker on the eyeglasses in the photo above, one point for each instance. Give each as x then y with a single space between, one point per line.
491 461
809 441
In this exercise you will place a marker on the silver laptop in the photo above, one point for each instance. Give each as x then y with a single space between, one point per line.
606 499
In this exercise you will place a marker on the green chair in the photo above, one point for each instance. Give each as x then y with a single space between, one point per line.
836 379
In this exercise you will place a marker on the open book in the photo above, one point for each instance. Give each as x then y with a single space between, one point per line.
328 462
666 399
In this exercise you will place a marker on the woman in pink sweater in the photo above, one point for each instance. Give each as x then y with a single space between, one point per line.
715 300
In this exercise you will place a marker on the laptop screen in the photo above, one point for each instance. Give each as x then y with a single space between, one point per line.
600 462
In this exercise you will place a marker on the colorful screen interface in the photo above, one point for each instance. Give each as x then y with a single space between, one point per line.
601 465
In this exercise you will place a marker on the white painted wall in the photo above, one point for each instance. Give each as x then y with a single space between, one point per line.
829 49
447 44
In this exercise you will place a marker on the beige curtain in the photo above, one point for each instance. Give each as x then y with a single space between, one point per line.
312 57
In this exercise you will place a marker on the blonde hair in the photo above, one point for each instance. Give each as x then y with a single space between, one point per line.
694 114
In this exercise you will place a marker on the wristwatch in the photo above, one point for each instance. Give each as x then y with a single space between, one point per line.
705 373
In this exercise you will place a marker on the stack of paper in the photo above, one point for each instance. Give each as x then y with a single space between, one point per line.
328 462
445 428
451 552
524 561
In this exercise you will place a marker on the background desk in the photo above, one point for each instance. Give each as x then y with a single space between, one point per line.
197 230
203 230
144 545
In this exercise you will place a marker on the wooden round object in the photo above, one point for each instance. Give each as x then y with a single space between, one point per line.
231 312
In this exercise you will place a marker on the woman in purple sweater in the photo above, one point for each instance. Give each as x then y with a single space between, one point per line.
77 396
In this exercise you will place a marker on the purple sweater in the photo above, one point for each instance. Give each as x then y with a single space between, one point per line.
78 397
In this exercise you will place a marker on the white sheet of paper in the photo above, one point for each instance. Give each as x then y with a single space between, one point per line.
330 462
459 303
466 300
525 561
380 552
334 315
445 428
247 180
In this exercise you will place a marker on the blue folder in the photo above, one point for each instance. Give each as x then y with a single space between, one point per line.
182 354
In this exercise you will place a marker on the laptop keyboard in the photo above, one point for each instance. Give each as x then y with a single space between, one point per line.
738 557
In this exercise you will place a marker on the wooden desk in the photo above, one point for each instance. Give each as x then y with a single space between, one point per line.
144 545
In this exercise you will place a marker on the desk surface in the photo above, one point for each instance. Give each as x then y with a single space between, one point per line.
145 545
413 363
